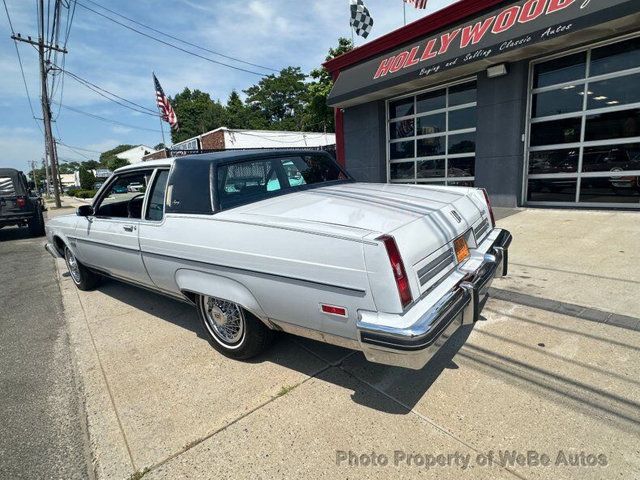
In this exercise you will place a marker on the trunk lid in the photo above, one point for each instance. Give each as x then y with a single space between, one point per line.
422 219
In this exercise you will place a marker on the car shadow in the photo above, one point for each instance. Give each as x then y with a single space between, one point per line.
401 388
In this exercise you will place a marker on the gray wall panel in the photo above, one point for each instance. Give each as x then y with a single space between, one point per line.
364 142
502 104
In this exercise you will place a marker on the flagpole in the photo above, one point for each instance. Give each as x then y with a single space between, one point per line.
162 130
404 11
160 114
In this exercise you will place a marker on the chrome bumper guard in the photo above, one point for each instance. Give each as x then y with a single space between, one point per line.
414 346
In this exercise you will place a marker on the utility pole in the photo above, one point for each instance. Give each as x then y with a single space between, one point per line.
33 174
46 107
45 163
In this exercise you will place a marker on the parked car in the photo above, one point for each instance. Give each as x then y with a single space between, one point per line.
392 270
18 204
135 187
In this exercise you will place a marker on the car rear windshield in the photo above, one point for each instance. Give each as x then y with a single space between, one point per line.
6 187
249 181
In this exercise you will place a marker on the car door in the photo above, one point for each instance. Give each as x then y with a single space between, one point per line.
108 239
152 237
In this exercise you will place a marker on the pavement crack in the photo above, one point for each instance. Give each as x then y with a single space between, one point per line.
106 382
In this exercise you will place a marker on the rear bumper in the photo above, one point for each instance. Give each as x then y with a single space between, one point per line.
413 346
14 219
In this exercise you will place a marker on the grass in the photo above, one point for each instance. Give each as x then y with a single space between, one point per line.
139 474
284 390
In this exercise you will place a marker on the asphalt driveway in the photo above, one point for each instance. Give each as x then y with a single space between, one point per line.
532 378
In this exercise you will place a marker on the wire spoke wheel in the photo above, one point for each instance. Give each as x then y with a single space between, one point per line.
225 320
72 265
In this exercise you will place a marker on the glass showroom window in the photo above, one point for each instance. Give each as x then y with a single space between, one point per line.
584 142
432 136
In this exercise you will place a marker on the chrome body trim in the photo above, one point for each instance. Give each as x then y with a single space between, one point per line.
435 267
382 341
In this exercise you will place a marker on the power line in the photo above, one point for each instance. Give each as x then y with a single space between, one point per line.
98 117
165 34
305 135
71 6
170 44
108 95
74 148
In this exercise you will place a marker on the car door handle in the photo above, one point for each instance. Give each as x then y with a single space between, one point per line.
129 228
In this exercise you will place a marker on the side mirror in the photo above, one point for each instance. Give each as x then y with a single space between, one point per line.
84 211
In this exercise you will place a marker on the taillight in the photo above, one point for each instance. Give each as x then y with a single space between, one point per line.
486 197
399 273
21 202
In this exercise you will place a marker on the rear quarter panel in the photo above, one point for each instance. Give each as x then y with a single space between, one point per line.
290 273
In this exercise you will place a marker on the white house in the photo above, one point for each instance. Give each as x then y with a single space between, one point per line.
135 154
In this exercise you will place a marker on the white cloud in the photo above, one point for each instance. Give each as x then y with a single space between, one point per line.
121 130
261 9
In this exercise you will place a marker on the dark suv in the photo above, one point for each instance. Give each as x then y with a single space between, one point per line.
18 205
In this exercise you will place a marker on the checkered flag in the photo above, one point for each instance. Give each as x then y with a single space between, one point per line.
361 20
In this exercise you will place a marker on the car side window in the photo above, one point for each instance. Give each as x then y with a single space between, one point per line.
239 182
311 169
6 187
155 210
124 196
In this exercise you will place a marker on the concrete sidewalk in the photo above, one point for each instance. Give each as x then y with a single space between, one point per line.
524 379
585 258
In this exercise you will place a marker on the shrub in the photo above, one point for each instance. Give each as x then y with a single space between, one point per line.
87 179
85 193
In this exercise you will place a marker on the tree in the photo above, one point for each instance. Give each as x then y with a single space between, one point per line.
160 146
91 164
87 179
114 163
280 99
197 114
110 160
240 115
40 175
317 114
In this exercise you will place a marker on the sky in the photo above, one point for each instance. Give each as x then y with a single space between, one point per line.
271 33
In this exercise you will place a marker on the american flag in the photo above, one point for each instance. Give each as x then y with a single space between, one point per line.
417 3
166 110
